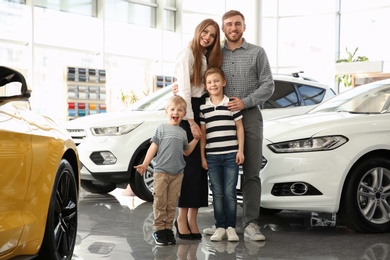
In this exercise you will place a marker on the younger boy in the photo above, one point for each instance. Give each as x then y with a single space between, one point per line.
169 142
222 150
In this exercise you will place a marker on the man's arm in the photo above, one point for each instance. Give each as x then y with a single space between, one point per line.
266 83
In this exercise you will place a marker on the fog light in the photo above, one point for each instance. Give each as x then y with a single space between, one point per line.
299 188
294 189
103 158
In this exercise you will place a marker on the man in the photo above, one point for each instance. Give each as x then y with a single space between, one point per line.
249 84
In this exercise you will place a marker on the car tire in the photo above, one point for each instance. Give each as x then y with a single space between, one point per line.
142 185
98 187
364 205
61 223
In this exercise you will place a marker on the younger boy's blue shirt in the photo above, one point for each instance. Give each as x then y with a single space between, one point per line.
171 141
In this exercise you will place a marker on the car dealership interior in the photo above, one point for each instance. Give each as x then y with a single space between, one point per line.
88 57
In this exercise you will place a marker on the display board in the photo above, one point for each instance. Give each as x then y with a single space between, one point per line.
86 91
162 81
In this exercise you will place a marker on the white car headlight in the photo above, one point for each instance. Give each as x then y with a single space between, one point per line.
114 130
313 144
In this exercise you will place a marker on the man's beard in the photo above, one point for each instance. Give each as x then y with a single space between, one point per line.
235 38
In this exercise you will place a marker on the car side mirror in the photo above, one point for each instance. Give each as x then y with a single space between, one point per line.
13 86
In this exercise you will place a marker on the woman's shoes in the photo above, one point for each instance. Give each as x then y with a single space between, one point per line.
196 236
182 236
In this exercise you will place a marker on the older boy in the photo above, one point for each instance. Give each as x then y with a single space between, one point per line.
222 150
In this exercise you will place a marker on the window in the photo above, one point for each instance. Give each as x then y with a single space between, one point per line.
83 7
169 15
311 95
139 13
283 96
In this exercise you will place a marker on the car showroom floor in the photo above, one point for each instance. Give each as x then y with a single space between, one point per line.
119 226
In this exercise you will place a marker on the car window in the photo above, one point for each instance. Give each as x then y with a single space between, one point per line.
311 95
283 96
367 99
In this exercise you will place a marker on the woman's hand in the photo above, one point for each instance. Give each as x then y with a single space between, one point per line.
175 88
195 130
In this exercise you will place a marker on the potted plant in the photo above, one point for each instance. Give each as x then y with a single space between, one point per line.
346 79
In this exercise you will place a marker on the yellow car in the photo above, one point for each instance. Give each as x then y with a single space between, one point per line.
39 179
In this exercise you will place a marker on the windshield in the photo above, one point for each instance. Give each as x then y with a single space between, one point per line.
153 102
372 98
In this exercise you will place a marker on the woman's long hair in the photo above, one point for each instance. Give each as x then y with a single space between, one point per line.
214 52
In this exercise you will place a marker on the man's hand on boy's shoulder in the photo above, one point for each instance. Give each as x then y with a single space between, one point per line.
235 104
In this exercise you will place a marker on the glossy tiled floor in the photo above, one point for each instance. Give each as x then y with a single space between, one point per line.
118 226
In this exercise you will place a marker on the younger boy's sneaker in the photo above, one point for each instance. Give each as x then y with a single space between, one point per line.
210 230
218 235
231 234
170 237
160 237
252 231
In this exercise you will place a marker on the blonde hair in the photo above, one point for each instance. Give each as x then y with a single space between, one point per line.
176 100
214 52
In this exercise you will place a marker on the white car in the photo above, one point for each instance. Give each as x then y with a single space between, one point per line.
111 144
333 159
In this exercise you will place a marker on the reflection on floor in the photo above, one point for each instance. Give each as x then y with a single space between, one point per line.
119 226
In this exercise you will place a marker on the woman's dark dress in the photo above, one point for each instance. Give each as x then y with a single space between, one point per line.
195 187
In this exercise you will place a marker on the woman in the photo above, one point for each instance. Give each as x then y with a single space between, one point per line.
203 51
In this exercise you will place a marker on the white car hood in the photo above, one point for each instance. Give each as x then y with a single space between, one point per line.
319 124
284 112
115 118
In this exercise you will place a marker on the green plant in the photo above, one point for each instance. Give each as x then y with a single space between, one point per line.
129 97
346 79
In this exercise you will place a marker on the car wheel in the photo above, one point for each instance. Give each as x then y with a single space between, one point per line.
142 185
98 187
365 200
61 223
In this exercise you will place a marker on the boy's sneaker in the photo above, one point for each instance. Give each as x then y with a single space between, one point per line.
218 235
231 234
252 231
170 237
160 237
210 231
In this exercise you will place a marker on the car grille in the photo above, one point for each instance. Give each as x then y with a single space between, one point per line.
78 135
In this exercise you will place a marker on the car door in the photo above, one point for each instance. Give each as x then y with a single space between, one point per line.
15 161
